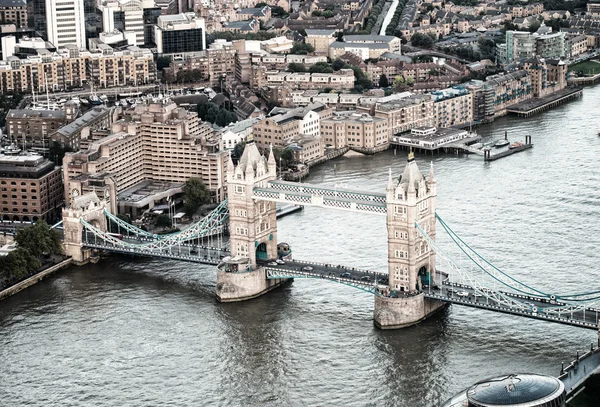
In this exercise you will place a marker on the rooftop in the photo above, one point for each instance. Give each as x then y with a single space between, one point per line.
83 121
30 114
13 3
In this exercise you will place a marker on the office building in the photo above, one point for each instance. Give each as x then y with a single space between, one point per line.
31 188
130 16
65 22
180 34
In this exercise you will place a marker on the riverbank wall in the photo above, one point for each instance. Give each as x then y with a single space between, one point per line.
36 278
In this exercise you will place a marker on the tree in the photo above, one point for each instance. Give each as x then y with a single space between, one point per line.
421 40
195 195
383 81
162 63
296 67
39 239
327 14
238 149
321 67
338 64
163 221
302 48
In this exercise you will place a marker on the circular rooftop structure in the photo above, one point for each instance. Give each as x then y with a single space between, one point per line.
517 390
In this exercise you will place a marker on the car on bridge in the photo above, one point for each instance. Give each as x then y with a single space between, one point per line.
272 263
279 261
462 294
365 278
346 275
306 268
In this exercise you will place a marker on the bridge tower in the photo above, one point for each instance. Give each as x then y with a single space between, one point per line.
90 208
411 264
252 228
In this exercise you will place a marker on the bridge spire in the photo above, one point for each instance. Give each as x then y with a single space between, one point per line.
390 184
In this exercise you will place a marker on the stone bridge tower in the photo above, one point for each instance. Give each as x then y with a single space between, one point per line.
252 228
90 208
411 263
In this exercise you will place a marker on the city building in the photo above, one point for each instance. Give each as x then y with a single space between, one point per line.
180 34
71 67
33 128
65 22
320 40
452 107
360 132
429 138
393 42
277 130
237 132
134 17
402 112
156 144
505 90
523 44
306 148
13 12
547 75
79 131
31 188
342 79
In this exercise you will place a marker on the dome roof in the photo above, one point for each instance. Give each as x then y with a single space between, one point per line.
516 389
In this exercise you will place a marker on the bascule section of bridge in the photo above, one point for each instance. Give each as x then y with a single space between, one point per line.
408 200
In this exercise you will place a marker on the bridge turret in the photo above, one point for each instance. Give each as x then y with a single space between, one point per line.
272 163
410 262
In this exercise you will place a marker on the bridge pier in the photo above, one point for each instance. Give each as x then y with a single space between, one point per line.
402 312
242 286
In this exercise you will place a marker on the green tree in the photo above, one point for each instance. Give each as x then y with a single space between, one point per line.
195 195
238 149
162 63
422 40
302 48
327 14
321 67
383 81
39 239
163 221
534 26
296 67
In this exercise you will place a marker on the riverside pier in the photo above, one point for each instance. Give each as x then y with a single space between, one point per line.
534 106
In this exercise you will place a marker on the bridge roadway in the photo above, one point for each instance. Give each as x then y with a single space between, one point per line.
447 292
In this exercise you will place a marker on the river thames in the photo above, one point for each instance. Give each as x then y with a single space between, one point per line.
140 332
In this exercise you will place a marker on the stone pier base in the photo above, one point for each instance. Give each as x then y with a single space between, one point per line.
232 287
395 313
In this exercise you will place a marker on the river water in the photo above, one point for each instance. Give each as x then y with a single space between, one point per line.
139 332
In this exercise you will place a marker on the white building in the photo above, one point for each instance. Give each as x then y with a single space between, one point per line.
132 13
65 22
237 132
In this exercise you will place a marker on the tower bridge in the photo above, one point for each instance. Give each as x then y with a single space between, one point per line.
412 288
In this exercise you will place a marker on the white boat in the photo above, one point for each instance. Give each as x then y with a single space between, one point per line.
84 101
501 143
95 100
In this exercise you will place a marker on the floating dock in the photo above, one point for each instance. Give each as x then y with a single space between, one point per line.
488 156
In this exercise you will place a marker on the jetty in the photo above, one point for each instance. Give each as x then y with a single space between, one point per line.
534 106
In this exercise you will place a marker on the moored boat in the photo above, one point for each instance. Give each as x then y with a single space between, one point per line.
501 143
516 144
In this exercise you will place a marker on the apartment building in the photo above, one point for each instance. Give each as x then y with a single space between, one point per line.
31 188
452 107
402 112
69 67
504 90
213 64
306 147
342 79
358 131
278 129
547 75
79 132
523 45
320 39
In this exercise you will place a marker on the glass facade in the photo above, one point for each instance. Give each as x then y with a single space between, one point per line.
182 41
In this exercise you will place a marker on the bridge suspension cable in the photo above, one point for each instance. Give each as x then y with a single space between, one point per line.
505 278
